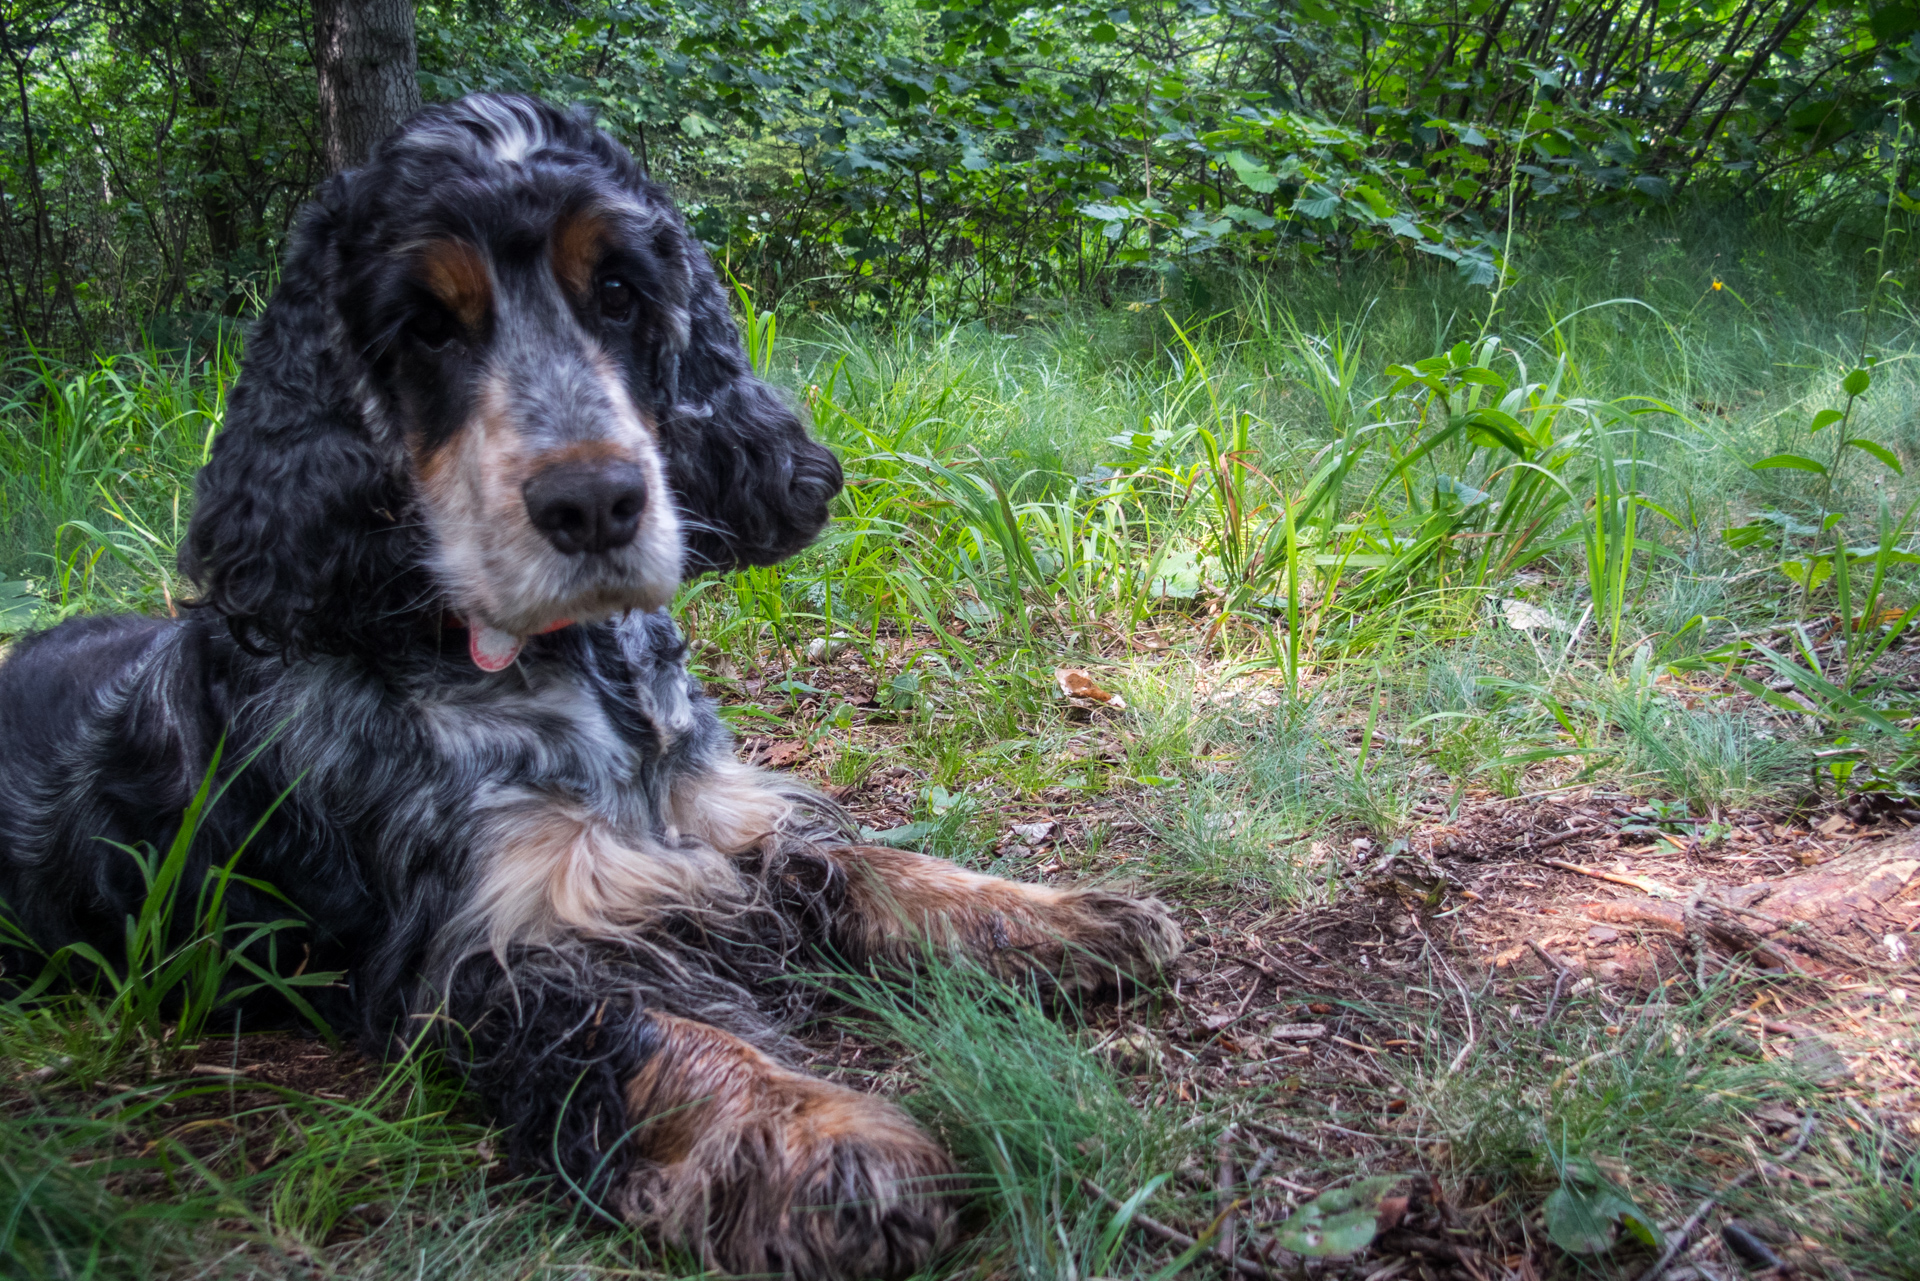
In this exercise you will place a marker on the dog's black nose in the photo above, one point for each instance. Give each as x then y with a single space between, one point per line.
587 506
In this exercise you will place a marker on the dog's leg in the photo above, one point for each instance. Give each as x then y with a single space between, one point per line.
1084 940
758 1168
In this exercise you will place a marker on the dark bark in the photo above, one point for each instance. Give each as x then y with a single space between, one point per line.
217 186
364 52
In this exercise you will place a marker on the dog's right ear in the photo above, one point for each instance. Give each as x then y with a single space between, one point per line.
300 531
752 485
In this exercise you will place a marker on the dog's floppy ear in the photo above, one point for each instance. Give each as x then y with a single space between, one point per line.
753 487
299 531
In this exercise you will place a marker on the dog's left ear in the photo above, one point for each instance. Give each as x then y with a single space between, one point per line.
299 536
752 485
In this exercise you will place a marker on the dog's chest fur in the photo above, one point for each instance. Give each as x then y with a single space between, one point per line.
602 726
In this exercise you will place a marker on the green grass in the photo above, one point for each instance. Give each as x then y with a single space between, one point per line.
1661 1096
1293 536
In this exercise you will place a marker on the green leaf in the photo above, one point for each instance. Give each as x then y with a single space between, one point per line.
1585 1214
898 838
17 606
1316 201
1338 1222
1796 461
1252 173
1644 1230
1879 451
1856 382
1178 576
1817 568
1826 418
1578 1222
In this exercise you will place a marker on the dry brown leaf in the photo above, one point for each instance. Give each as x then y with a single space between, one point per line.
1075 683
781 755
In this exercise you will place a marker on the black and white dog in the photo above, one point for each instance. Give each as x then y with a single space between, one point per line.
494 414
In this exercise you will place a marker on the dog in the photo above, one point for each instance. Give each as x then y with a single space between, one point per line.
496 411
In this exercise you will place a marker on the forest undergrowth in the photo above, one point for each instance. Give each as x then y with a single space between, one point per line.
1261 607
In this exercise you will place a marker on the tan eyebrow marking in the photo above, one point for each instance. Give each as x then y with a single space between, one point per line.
578 242
457 274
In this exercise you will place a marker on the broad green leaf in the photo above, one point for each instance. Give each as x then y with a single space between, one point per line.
1820 568
1578 1221
1315 201
17 606
1798 462
1584 1214
1856 382
1879 451
1826 418
1178 576
1256 176
1338 1222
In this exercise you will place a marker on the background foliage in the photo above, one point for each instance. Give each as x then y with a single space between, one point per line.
960 157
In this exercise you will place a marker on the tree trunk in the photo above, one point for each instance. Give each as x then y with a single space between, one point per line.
363 50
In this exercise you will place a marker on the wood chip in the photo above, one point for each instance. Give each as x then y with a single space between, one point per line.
1297 1032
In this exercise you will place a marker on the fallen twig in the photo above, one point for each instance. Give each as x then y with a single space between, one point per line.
1561 838
1561 973
1677 1241
1259 1170
1223 1183
1274 1131
1645 884
1362 1134
1175 1237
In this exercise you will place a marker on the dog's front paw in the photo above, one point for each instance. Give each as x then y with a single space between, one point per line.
776 1172
1112 941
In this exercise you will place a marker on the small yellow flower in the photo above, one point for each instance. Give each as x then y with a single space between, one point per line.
1718 286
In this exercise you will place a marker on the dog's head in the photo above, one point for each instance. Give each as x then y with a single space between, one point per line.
499 380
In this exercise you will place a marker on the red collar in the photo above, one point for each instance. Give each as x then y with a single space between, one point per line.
452 622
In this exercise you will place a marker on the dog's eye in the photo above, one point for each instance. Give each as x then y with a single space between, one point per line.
433 329
616 299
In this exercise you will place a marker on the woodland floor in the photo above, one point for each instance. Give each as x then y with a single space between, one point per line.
1489 916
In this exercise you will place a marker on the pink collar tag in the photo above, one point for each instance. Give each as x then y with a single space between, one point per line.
493 650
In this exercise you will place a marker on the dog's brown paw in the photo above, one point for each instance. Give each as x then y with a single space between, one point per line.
759 1169
1108 941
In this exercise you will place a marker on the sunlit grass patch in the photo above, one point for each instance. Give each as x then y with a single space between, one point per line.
1038 1121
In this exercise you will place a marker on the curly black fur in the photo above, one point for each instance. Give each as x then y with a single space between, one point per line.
325 646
